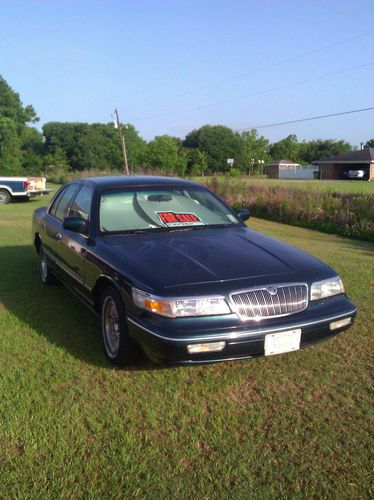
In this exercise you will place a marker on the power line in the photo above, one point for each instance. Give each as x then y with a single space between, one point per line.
256 70
307 119
255 94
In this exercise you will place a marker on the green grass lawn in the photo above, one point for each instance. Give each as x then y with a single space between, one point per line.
339 186
71 425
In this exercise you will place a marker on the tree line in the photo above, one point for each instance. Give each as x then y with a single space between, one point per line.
72 147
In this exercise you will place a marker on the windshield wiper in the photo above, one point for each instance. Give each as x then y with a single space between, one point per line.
175 229
189 228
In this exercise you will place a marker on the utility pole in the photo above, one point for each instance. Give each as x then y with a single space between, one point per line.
123 144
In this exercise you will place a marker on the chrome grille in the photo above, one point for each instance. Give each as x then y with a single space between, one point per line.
270 301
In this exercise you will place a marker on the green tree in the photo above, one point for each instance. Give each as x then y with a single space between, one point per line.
322 148
32 151
66 136
10 148
219 143
165 153
97 149
94 145
56 163
369 143
286 149
19 145
197 161
255 151
11 107
192 139
136 147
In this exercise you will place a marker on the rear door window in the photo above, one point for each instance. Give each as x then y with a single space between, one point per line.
81 206
60 205
55 200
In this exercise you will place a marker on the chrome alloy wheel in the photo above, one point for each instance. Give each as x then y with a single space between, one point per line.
43 266
111 327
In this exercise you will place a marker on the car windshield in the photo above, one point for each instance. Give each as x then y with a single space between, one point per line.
168 209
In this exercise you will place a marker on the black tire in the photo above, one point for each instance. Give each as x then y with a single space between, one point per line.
119 348
46 275
5 197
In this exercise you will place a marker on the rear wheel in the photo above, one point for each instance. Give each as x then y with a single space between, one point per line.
46 275
119 347
4 197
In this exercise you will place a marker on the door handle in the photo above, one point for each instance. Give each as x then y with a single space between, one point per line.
58 236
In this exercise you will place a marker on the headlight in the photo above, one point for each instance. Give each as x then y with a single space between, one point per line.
184 307
326 288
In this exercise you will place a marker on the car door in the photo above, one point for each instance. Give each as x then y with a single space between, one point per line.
53 231
74 246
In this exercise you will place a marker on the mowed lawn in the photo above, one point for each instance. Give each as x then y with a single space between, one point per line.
71 425
309 184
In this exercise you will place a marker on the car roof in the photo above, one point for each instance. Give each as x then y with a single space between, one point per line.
118 181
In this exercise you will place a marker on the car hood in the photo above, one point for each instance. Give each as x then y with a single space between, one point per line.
166 261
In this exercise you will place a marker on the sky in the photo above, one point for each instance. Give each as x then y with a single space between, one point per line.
170 66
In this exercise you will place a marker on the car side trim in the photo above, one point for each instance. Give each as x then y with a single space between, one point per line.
68 271
231 336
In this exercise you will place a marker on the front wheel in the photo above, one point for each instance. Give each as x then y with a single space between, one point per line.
46 275
4 197
119 347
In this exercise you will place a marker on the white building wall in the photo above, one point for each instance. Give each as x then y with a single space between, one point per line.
297 173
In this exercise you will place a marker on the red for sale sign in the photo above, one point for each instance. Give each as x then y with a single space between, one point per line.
172 219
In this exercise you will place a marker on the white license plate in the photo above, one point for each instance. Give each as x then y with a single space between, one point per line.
280 342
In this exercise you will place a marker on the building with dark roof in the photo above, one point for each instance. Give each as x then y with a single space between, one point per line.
351 165
274 169
286 169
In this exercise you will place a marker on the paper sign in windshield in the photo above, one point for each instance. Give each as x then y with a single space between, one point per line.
173 219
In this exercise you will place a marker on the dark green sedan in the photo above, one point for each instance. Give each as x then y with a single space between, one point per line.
175 274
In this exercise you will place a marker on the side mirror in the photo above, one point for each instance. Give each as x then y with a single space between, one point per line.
243 214
76 224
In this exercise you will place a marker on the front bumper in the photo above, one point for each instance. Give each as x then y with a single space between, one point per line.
243 340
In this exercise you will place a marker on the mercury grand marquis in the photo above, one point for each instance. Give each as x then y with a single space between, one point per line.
175 274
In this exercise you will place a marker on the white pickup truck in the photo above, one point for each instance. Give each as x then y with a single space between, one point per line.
21 187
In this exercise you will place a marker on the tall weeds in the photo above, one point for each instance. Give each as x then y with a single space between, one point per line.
350 215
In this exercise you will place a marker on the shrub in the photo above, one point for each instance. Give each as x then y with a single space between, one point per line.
350 215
